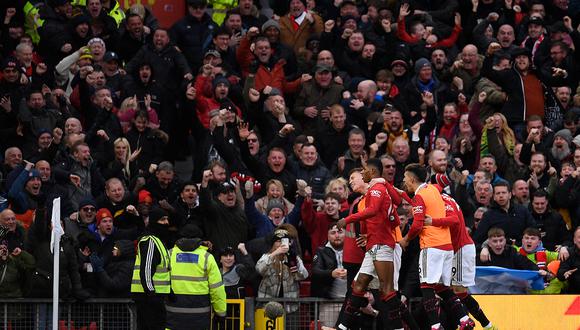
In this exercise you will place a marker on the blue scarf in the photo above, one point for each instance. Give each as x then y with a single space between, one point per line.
426 87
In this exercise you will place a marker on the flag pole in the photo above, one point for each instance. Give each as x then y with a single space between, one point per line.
57 232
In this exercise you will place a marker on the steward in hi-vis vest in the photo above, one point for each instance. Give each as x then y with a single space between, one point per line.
150 285
196 284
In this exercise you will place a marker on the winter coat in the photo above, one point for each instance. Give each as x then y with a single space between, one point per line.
38 244
17 277
263 224
296 38
170 65
321 98
323 263
513 222
192 36
316 176
224 226
573 262
92 181
113 280
151 148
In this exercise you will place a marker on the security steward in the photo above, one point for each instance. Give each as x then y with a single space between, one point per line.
150 285
196 284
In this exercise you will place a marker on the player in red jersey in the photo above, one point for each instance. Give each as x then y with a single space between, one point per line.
378 261
436 256
464 252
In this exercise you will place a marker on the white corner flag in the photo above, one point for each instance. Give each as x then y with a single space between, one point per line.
56 233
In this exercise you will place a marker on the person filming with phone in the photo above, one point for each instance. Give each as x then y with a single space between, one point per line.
282 269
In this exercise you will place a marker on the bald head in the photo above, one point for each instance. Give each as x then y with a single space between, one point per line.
72 125
8 219
13 157
366 90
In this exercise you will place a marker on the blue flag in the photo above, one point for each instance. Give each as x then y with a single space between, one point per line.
499 280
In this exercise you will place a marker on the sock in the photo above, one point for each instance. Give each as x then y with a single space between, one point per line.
454 304
431 305
407 317
474 309
350 309
488 326
390 309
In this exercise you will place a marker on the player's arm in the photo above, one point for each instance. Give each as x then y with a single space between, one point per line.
418 218
375 200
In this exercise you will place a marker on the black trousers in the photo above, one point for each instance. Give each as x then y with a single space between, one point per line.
150 312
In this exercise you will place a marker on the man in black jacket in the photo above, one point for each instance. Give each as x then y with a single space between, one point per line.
194 32
328 275
512 218
552 227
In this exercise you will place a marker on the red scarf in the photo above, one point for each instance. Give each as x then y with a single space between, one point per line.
541 258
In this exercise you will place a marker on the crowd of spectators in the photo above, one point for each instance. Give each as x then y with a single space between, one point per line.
97 105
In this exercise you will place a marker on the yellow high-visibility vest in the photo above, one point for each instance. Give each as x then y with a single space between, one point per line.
196 273
161 278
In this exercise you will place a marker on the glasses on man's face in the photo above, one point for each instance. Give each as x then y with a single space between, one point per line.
477 219
389 166
88 209
253 140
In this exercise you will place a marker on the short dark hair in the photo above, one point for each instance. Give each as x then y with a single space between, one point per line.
418 171
333 195
495 232
531 231
502 184
540 193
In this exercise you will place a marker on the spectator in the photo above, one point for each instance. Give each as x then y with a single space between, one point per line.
549 222
228 225
193 32
299 25
504 214
15 234
274 190
567 270
315 99
502 254
521 193
114 278
237 268
310 169
281 269
275 213
19 266
317 223
328 274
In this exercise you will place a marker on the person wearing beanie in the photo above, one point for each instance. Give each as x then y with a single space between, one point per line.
561 150
316 96
206 102
425 91
150 283
275 212
282 269
79 221
25 193
206 294
271 29
298 25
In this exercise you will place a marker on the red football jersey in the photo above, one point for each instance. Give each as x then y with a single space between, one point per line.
376 215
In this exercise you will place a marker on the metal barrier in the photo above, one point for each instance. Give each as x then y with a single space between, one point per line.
113 314
302 313
235 316
93 314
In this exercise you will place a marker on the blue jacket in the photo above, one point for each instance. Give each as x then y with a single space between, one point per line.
263 224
